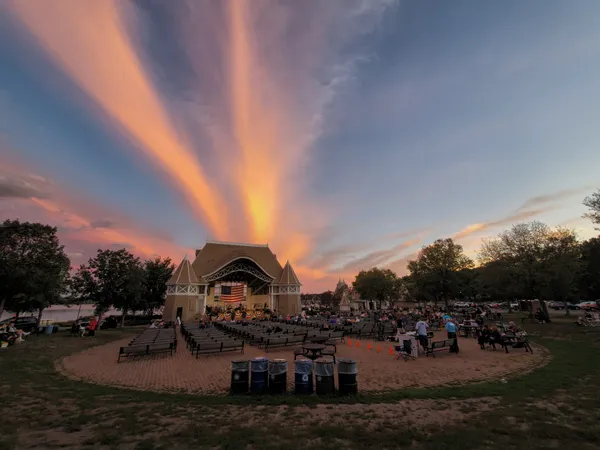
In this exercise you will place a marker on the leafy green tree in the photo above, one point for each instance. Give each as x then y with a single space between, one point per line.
469 284
34 268
593 203
519 251
561 266
112 278
436 269
157 272
497 280
590 269
535 260
377 284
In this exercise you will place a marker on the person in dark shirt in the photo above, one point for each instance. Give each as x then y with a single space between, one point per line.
495 336
484 337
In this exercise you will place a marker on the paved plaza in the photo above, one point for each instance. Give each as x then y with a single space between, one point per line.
378 371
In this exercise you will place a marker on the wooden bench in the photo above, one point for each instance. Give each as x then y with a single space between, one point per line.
219 347
336 336
147 349
516 342
283 342
436 346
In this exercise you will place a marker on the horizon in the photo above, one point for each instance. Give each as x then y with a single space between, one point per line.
343 134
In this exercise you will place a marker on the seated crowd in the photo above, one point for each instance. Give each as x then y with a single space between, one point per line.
10 335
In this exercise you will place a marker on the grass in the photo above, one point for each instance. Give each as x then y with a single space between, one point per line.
555 406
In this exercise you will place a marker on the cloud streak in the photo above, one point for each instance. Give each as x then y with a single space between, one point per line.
79 227
89 42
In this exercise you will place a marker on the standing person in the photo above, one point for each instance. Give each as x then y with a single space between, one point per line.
178 321
92 326
451 330
421 328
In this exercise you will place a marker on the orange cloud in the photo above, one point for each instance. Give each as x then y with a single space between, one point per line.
81 229
81 224
87 39
506 221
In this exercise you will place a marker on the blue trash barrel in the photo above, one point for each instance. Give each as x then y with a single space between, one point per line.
260 375
49 329
304 377
278 376
324 375
347 372
240 371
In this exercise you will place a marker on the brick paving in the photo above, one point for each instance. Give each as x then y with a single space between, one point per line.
377 371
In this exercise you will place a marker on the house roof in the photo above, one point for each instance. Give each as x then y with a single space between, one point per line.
288 276
184 274
215 255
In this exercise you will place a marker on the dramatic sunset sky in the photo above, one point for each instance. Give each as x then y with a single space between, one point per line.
345 133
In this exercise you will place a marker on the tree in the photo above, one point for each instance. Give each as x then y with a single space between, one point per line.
561 266
435 271
593 203
376 284
111 278
519 251
33 266
535 260
157 272
590 269
326 299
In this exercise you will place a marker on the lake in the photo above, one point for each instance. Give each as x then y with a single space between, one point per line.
62 313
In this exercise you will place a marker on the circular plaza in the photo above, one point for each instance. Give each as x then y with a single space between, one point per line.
379 368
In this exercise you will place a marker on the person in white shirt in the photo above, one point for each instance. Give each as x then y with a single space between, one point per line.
421 328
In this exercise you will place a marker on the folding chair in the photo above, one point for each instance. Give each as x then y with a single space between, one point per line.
405 351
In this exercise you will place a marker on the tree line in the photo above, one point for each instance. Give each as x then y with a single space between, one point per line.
528 261
35 272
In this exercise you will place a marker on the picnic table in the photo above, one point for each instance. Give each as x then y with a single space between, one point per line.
313 351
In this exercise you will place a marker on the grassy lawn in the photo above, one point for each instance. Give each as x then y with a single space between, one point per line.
556 406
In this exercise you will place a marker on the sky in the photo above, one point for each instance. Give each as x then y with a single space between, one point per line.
346 134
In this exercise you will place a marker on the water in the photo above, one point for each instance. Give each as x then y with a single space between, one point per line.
62 313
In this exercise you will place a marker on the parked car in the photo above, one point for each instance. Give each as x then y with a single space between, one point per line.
561 306
588 306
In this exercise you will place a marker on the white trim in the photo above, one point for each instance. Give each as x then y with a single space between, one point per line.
182 289
289 289
208 275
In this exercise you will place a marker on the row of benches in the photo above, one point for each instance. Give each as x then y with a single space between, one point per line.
150 342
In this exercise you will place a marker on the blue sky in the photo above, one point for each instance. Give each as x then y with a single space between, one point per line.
345 133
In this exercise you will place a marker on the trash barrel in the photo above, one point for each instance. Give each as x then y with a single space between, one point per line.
324 373
240 374
304 377
260 378
347 372
278 376
49 329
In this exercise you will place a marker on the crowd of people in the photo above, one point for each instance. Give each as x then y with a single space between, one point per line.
10 335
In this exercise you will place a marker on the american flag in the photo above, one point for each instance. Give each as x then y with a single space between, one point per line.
233 294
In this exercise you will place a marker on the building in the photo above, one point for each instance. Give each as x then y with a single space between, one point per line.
231 274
